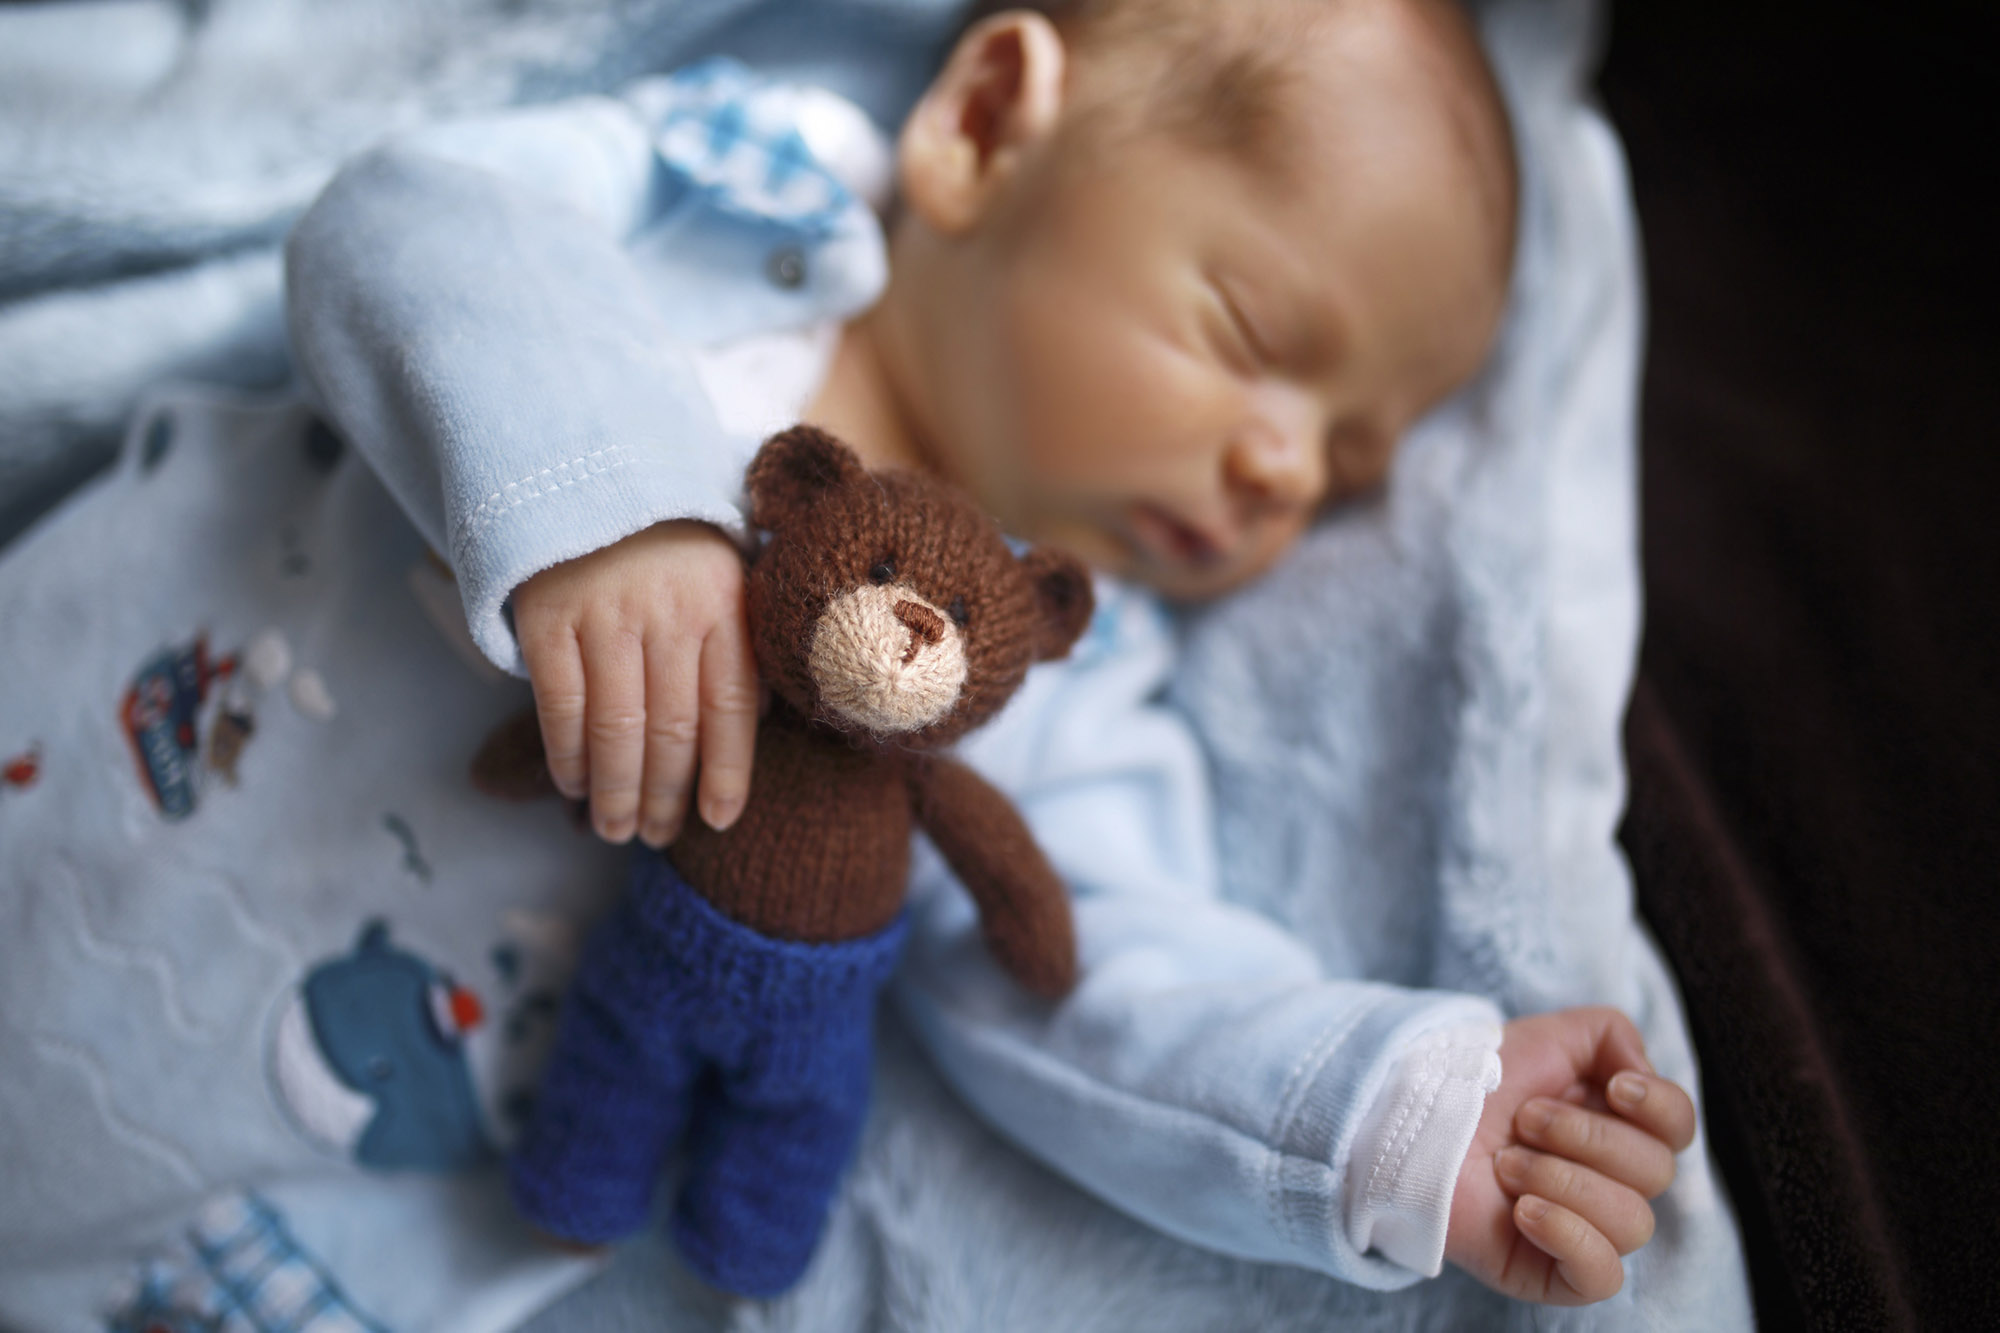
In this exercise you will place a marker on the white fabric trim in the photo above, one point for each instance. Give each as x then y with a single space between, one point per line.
1406 1158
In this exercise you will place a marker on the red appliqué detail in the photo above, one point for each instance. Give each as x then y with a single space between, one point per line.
467 1012
23 769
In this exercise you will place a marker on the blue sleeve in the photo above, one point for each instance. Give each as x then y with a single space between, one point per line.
1206 1075
497 313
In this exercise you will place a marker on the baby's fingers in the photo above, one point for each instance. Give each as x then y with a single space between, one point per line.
1586 1266
1616 1210
614 724
1601 1142
728 721
672 727
555 666
1661 1108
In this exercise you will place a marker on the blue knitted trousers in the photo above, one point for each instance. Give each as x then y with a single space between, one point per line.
683 1024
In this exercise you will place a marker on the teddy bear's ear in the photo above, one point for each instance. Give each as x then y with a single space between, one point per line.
796 469
1062 594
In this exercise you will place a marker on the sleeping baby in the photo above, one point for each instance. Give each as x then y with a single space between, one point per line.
1162 282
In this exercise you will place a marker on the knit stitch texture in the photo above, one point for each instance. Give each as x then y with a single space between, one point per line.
757 1050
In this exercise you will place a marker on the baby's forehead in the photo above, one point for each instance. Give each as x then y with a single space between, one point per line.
1353 90
1245 77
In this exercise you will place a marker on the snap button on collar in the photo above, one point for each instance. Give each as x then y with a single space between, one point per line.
786 267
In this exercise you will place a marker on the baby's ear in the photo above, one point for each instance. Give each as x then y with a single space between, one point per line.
1063 596
795 470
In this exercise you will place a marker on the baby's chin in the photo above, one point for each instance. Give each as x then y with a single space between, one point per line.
1179 584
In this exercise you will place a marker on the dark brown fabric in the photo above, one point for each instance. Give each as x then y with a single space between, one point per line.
511 764
822 850
1815 741
1023 908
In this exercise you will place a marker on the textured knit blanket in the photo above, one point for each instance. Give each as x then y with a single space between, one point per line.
1414 732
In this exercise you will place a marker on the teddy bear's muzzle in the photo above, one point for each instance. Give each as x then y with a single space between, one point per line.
885 660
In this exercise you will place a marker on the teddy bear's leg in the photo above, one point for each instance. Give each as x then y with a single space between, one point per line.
767 1152
613 1105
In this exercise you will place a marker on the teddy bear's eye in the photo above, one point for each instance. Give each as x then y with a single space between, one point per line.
883 571
957 612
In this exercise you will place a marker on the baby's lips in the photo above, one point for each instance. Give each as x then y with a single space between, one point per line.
1173 540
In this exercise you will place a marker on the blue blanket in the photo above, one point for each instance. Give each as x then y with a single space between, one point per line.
154 152
1415 719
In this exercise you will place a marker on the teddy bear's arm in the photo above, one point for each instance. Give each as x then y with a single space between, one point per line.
1023 907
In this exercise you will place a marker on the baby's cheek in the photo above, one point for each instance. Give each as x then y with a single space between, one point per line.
1099 403
1089 542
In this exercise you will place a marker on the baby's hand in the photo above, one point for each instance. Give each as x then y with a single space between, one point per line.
641 663
1576 1139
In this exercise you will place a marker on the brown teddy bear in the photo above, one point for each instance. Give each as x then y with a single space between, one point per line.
729 999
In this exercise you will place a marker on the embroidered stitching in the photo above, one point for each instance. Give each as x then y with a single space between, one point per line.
479 514
1436 1083
487 510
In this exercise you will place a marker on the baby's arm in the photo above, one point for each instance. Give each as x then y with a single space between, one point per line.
463 305
1206 1075
479 308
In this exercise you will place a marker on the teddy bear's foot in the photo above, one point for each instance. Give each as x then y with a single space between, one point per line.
760 1184
747 1260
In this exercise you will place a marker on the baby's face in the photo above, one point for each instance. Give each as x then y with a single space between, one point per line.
1169 361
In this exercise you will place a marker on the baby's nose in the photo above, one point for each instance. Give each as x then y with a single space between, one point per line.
1268 467
1276 457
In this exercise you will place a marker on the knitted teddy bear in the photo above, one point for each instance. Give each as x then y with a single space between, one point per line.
728 1000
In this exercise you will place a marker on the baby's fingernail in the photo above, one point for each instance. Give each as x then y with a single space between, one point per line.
1537 1116
1512 1164
719 815
1532 1208
1628 1089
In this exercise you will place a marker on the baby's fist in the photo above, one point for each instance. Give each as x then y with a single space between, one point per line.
1570 1148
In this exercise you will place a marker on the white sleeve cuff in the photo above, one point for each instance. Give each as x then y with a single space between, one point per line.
1405 1161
